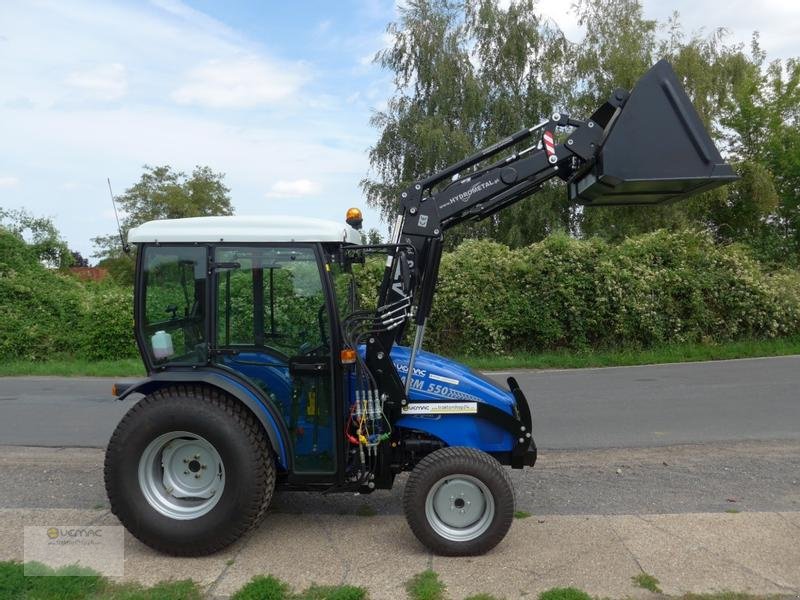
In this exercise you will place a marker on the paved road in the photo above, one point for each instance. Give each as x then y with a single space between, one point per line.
749 399
743 476
701 437
753 399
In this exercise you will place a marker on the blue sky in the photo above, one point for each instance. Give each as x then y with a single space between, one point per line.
277 95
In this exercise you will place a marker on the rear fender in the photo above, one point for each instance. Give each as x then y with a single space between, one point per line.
234 386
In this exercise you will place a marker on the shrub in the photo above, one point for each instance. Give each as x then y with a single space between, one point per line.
652 289
47 313
107 331
41 308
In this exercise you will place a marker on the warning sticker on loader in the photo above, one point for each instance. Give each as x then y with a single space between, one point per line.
440 408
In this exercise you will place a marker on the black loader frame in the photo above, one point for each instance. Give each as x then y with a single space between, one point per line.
641 147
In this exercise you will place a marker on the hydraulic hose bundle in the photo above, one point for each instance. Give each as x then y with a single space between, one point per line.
367 426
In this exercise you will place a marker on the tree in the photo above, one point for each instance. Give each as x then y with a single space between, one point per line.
469 72
162 193
763 118
620 45
78 260
372 236
41 235
466 74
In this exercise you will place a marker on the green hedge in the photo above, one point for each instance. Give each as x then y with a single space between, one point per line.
653 289
561 293
47 314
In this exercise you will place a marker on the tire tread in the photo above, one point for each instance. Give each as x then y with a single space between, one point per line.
255 436
455 459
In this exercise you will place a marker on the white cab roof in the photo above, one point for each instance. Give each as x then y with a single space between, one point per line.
244 229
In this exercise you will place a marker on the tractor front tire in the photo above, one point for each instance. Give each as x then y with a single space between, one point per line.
189 470
459 502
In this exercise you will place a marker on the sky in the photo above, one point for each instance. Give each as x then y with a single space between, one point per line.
276 95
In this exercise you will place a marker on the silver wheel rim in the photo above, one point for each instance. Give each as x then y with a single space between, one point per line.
181 475
460 508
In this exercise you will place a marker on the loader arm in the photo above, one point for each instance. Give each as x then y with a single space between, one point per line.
645 146
465 191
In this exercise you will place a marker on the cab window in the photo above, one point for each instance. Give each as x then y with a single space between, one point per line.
174 282
271 298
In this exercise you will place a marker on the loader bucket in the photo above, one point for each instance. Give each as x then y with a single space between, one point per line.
656 150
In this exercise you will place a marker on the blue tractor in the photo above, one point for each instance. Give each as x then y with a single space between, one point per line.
265 374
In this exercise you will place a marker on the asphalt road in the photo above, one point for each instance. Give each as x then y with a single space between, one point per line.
625 407
716 477
702 437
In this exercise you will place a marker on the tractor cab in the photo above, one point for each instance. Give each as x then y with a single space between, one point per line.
254 298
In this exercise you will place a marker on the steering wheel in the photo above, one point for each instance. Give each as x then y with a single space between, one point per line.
307 348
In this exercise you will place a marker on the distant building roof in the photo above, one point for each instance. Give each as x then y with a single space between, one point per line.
89 273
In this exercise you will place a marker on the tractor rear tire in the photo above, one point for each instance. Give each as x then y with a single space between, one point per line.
459 502
189 470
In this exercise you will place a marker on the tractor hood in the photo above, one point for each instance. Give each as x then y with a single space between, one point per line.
439 379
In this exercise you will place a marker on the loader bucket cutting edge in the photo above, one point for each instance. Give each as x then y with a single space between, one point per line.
655 151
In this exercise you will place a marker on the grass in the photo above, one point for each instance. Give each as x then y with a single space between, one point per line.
132 367
568 593
646 582
263 588
521 514
69 367
425 586
733 511
75 583
334 592
617 358
271 588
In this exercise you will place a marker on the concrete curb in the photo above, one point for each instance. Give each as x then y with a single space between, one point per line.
697 552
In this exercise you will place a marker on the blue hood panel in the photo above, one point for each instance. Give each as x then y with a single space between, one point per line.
439 379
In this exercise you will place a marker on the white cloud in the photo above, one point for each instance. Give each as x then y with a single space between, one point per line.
195 18
7 181
292 189
63 143
240 83
102 82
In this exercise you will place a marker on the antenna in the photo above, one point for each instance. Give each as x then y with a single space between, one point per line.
125 247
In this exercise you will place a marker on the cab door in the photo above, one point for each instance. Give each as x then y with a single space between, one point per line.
273 319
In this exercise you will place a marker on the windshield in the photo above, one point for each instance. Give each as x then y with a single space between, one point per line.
345 287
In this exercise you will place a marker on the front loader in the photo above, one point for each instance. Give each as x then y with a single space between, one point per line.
264 374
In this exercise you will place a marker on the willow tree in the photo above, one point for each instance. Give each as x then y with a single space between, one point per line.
469 72
466 74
